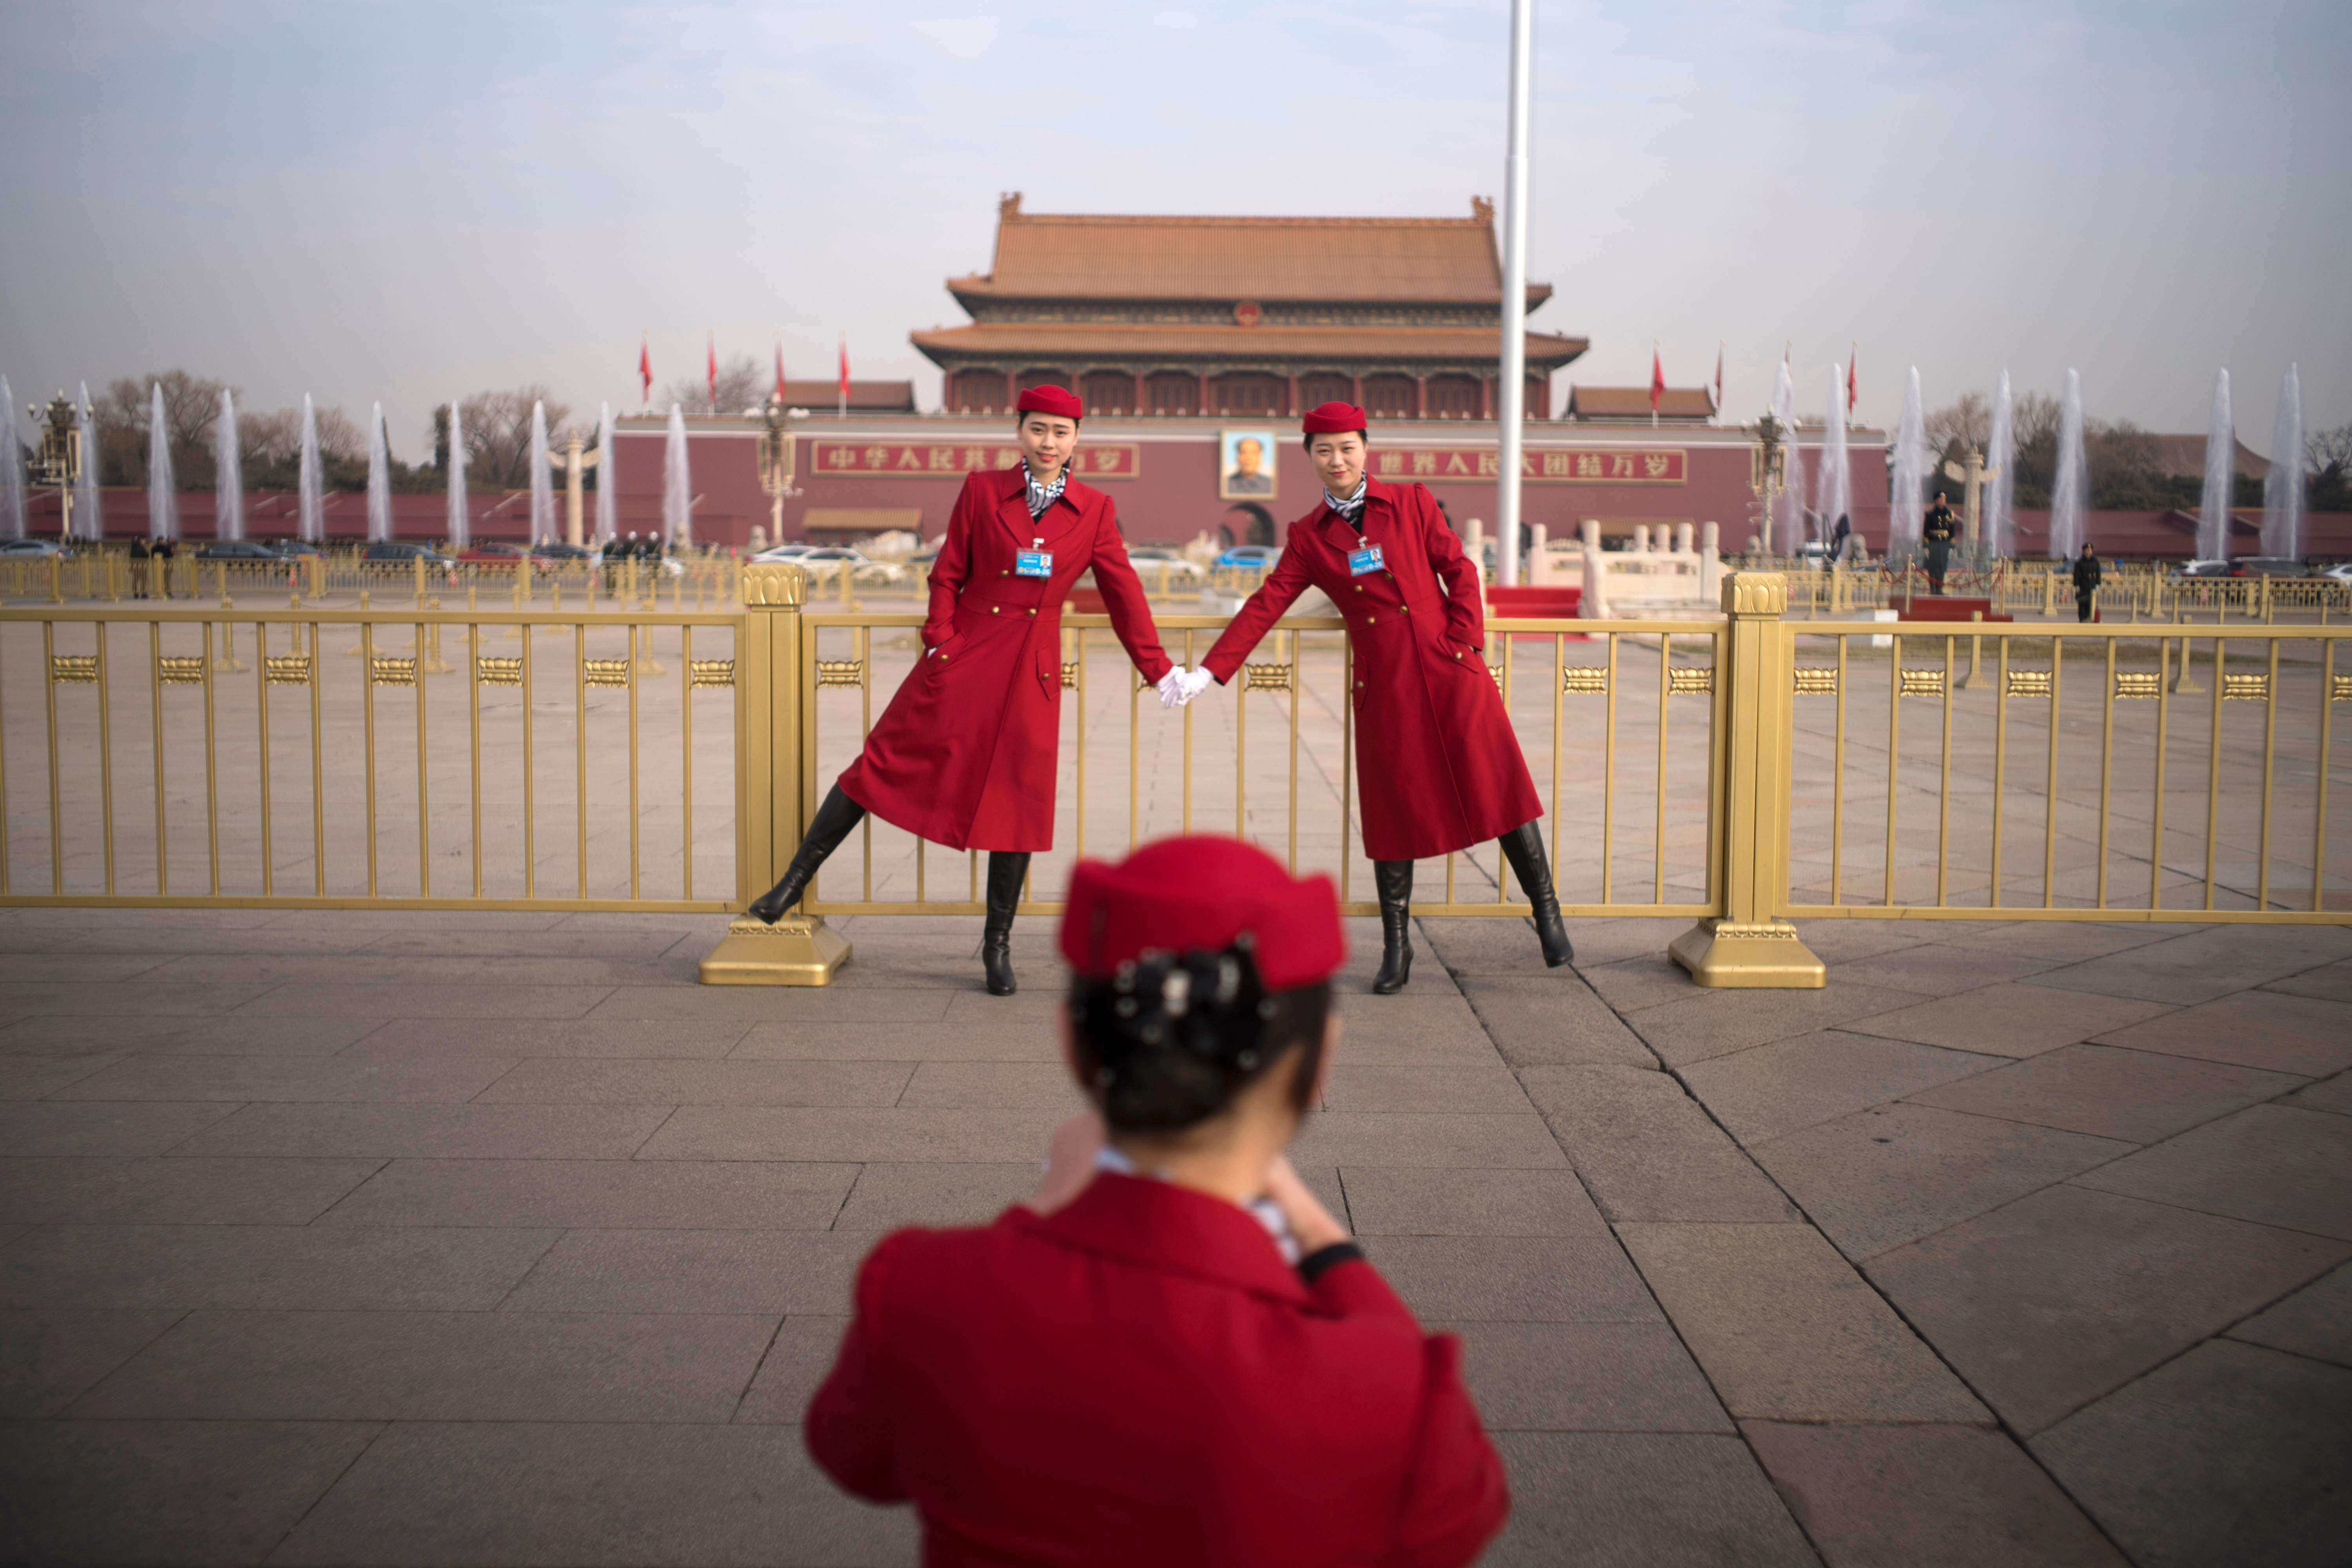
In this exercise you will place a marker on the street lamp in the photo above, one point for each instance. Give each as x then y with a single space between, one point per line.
59 460
776 461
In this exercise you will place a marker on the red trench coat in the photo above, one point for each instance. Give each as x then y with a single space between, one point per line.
968 751
1138 1380
1438 766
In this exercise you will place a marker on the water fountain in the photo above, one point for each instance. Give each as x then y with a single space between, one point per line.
2282 486
1834 483
461 517
310 484
12 470
1911 471
2070 491
677 491
228 474
2220 475
2001 476
88 518
542 483
1787 518
379 491
607 513
163 496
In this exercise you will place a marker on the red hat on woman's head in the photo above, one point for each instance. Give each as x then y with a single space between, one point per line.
1057 400
1204 891
1331 418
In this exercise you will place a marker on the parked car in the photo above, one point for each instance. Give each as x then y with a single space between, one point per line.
499 555
237 550
2340 572
290 547
1250 555
30 547
785 552
2270 566
402 550
826 560
1149 559
557 549
2193 570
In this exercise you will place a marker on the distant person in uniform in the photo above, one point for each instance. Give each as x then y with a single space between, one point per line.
1171 1355
1938 531
2087 583
1838 539
1249 477
166 550
139 555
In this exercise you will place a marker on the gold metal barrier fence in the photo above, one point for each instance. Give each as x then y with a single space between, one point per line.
432 758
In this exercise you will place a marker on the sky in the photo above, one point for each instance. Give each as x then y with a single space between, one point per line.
404 203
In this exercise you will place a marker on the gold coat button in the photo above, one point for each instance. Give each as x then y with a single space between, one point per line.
996 609
1033 612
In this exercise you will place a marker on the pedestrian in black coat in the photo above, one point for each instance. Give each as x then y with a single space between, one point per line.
2086 582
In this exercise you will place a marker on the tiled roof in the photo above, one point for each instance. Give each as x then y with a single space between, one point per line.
1085 256
873 396
2183 457
1048 341
1634 403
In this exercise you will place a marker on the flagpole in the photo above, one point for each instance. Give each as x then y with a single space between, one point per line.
1514 298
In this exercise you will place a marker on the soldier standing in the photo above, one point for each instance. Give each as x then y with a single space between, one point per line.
1938 530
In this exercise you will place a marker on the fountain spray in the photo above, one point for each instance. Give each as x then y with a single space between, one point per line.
12 470
607 512
228 474
461 518
379 491
311 486
542 486
88 519
1911 471
2001 476
1834 485
677 490
2282 486
163 496
2220 475
2070 491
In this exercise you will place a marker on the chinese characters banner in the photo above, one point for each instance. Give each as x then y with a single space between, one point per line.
911 459
1538 465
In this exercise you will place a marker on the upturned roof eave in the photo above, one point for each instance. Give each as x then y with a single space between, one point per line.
977 286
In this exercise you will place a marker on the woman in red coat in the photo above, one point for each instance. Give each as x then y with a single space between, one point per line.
1438 765
1171 1355
968 751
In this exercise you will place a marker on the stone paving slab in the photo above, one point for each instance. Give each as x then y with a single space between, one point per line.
520 1261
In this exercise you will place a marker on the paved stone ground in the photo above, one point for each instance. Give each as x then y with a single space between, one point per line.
355 1237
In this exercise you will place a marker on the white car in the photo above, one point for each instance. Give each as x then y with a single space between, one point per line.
30 547
827 560
1150 560
785 552
2341 573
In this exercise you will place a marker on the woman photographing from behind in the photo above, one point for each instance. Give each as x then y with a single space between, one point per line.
1171 1354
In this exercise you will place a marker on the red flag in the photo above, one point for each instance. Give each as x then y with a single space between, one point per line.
780 373
1718 375
644 372
845 375
1657 378
1850 384
710 374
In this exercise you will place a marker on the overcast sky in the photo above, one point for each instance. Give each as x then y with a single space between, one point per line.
409 201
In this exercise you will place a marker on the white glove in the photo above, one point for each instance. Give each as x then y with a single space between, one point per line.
1172 687
1195 682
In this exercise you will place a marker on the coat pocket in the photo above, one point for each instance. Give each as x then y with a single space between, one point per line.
941 652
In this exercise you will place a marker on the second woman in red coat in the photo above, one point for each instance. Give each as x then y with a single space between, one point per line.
968 751
1438 765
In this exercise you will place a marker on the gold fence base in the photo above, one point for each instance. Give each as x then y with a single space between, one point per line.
1767 955
799 950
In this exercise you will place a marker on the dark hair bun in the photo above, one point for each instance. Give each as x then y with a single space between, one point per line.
1168 1038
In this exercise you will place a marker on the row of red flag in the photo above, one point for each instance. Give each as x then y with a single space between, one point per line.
710 372
1658 377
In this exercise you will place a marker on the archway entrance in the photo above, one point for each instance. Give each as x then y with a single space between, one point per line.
1247 523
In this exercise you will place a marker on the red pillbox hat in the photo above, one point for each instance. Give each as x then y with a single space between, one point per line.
1057 400
1203 891
1331 418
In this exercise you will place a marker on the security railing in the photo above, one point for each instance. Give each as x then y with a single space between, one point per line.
1737 773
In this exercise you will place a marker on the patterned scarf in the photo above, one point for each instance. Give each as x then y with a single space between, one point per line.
1042 496
1353 509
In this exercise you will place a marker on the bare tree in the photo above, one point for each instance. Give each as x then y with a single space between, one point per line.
190 407
497 429
2328 454
743 384
1965 422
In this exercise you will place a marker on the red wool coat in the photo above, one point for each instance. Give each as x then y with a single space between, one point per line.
1139 1380
1438 766
968 751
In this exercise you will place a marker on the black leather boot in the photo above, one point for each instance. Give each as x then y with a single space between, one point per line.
1393 881
1007 869
1523 847
832 823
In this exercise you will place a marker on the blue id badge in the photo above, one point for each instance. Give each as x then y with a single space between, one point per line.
1033 563
1368 559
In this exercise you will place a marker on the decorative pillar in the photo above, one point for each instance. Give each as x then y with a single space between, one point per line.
773 799
1420 397
1750 945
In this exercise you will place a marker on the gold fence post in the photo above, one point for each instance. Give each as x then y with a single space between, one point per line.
1750 945
800 949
